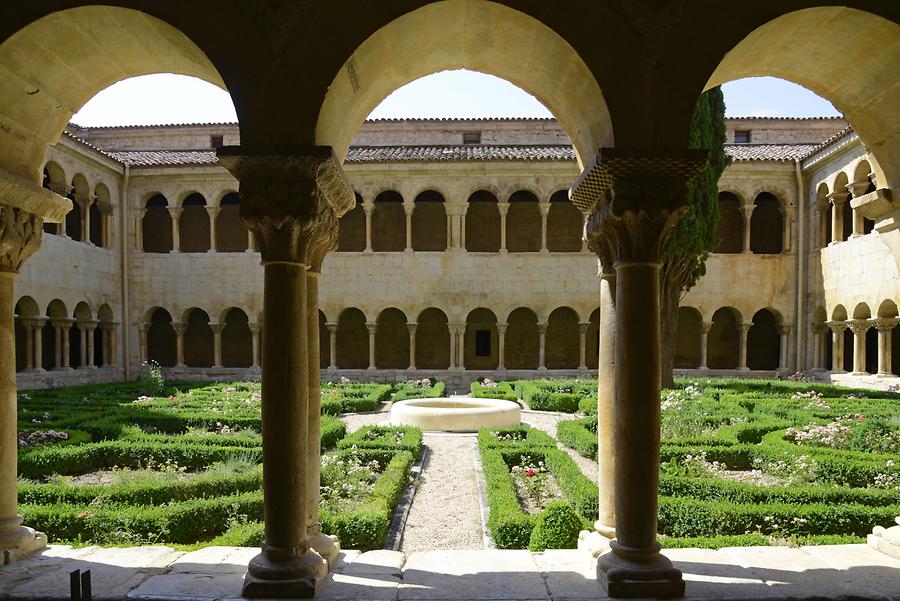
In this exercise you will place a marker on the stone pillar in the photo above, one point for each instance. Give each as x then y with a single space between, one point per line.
408 209
38 343
501 345
837 200
89 328
29 343
372 328
859 221
412 345
884 327
213 215
462 225
251 242
143 354
582 344
788 215
82 344
175 212
255 329
743 329
542 338
544 208
290 203
179 342
649 194
139 227
818 354
837 345
705 327
785 332
747 210
113 358
20 237
217 343
503 207
85 203
104 345
332 348
450 241
859 327
368 208
57 344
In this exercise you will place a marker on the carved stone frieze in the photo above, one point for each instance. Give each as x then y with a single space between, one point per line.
20 236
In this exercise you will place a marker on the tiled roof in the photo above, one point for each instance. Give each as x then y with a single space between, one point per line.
768 152
160 158
468 152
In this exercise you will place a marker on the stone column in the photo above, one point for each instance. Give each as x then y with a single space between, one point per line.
29 343
213 215
859 327
255 329
82 344
747 210
89 328
884 327
104 345
138 214
501 345
818 354
175 212
38 327
217 343
143 351
705 327
332 348
451 328
408 209
372 328
785 332
837 200
251 242
179 328
57 344
503 207
582 344
544 208
20 237
542 338
837 345
412 345
85 203
462 225
788 215
113 357
743 330
290 203
859 221
368 208
450 241
649 194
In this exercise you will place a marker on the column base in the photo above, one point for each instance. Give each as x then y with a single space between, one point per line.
743 369
859 373
594 543
885 375
325 545
17 541
624 578
297 577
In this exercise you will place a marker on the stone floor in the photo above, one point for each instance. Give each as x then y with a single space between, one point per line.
161 574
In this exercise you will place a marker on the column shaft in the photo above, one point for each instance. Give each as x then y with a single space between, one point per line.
501 345
372 329
38 346
412 345
66 363
29 345
452 331
368 208
254 333
89 334
332 348
542 338
748 213
705 327
213 214
408 210
179 344
544 208
606 407
503 207
742 342
859 330
582 344
57 346
217 343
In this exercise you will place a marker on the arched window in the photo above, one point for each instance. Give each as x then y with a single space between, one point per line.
766 226
352 340
231 233
482 223
764 341
198 339
592 342
78 337
161 342
730 228
688 338
79 195
156 225
237 341
429 222
193 225
523 223
100 221
104 346
388 223
480 344
391 340
352 229
723 341
432 340
52 336
564 224
324 342
522 340
562 346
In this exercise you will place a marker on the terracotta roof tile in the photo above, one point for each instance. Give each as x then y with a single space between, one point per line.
165 158
768 152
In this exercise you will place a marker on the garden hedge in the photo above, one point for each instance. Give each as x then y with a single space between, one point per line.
385 437
579 434
514 437
503 390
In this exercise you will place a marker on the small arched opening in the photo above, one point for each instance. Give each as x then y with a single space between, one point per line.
766 225
723 341
483 223
352 340
688 338
352 229
161 340
156 225
198 339
730 227
237 340
231 233
480 344
764 341
388 223
522 339
432 340
193 225
391 340
523 223
565 224
429 222
562 348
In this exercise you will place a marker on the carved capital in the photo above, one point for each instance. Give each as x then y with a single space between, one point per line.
20 237
291 201
836 327
837 198
630 237
857 189
583 327
859 327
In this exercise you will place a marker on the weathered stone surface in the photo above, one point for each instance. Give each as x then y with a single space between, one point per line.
570 574
375 563
867 568
472 575
709 575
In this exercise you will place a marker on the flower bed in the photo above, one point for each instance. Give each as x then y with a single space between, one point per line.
348 397
402 438
427 388
488 389
514 437
555 395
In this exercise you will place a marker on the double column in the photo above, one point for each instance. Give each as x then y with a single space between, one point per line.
292 204
837 345
634 197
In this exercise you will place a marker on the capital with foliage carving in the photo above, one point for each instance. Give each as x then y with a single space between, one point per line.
291 201
20 237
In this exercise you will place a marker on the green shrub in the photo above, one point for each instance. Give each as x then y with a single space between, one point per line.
404 438
416 389
503 390
552 395
556 527
579 434
332 431
353 398
513 437
588 405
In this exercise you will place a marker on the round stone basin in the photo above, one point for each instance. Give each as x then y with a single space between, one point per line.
456 414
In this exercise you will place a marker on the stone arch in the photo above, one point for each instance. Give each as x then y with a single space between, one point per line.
483 222
824 215
432 340
453 35
861 172
766 225
161 341
79 194
862 311
352 228
198 338
522 339
193 224
792 47
840 187
688 338
54 179
231 233
764 341
565 224
723 340
730 227
562 345
100 224
523 222
429 222
839 313
156 225
592 340
352 340
237 340
388 222
391 340
481 344
887 309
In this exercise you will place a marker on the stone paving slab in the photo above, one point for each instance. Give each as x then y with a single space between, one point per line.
708 575
472 575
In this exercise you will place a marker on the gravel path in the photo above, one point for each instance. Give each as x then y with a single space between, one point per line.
445 513
355 421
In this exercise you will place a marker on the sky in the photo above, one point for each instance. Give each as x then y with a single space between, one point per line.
167 98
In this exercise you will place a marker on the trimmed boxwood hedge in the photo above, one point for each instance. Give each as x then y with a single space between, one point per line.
503 390
384 437
555 395
521 436
406 390
579 434
353 398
